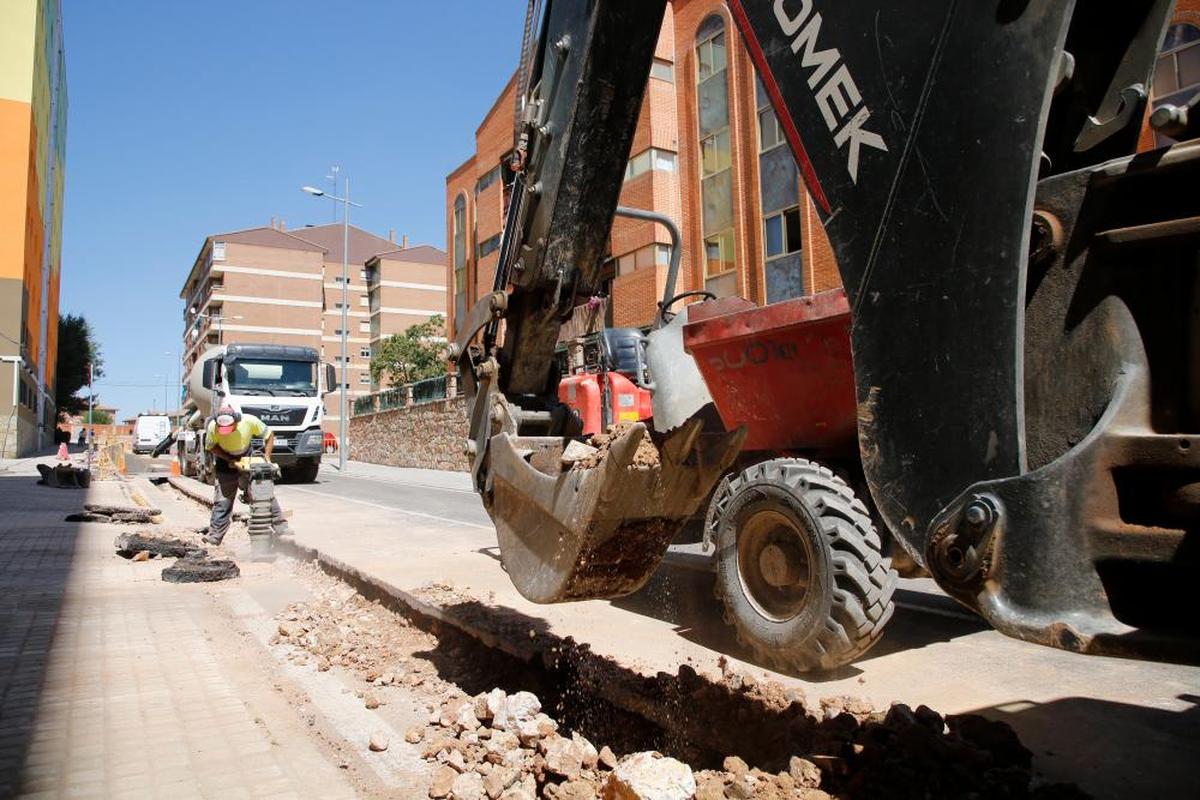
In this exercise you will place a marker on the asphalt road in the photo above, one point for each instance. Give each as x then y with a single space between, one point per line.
411 496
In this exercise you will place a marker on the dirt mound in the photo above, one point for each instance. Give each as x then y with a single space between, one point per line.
646 456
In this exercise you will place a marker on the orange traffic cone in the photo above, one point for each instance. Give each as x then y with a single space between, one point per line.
174 467
62 452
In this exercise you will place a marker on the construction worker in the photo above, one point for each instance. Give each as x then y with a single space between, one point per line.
230 433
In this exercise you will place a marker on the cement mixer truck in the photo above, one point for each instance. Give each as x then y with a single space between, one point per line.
282 385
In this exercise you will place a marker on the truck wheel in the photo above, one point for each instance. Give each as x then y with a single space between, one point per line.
302 473
800 571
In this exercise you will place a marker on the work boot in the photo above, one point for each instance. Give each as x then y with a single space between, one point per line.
209 538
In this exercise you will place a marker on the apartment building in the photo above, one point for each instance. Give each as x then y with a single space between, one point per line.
708 152
274 286
33 128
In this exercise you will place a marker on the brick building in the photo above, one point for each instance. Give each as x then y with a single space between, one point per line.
708 151
269 285
33 133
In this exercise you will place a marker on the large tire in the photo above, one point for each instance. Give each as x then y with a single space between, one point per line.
302 473
800 568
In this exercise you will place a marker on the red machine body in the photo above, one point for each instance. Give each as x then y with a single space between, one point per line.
783 370
627 402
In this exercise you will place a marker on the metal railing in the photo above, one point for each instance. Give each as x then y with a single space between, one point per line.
410 394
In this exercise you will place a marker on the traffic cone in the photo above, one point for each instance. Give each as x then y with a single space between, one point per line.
62 452
174 467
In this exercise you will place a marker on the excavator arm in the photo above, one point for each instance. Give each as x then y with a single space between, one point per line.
1023 290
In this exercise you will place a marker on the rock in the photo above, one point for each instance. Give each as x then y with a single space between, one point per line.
710 785
563 756
497 708
141 555
578 451
587 751
413 735
993 736
443 782
480 706
741 788
521 706
814 794
468 786
545 725
608 759
370 700
378 743
466 720
572 790
499 779
288 629
322 664
735 765
386 679
519 792
649 776
455 759
804 772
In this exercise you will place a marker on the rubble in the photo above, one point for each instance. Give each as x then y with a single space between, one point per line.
116 514
130 544
378 743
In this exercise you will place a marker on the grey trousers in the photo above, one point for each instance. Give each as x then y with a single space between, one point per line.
224 493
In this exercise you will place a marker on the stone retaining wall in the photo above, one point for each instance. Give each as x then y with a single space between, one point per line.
430 436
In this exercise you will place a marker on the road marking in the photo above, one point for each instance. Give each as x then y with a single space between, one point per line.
394 508
396 482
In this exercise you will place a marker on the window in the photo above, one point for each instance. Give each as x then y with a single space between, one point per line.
365 326
489 246
362 274
487 179
652 158
363 300
337 278
1177 71
337 331
770 132
663 70
783 232
716 158
364 378
365 352
460 257
218 251
650 255
339 306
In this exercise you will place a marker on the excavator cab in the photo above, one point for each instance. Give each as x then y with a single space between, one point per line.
1023 290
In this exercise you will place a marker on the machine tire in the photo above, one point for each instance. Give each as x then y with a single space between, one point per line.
302 473
817 526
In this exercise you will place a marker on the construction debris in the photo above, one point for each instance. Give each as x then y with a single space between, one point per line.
64 476
200 570
130 544
116 514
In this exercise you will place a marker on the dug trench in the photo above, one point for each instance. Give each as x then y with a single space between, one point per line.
743 737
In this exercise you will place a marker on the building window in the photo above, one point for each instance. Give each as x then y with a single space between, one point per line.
1177 71
363 300
650 255
650 159
782 232
663 70
486 180
489 246
365 326
365 352
460 258
362 274
716 158
218 251
364 378
770 132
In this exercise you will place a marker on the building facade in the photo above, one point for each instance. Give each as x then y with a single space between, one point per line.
273 286
707 152
33 125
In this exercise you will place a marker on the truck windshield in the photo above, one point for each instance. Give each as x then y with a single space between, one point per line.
274 377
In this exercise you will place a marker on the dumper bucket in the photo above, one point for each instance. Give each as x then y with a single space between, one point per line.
597 527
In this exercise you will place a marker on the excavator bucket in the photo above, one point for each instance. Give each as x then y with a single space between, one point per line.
597 527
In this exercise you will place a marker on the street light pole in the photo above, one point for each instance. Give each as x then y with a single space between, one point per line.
343 411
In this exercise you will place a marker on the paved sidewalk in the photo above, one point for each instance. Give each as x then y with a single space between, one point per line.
115 684
1113 725
437 478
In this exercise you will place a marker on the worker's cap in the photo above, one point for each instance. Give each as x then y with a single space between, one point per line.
226 419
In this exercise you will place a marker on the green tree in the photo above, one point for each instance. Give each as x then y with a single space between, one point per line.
77 348
98 417
414 355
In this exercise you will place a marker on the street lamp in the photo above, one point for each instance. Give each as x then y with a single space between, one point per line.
178 357
343 411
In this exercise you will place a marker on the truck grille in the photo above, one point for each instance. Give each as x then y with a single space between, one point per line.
283 416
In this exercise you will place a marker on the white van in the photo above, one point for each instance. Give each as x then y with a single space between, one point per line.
149 430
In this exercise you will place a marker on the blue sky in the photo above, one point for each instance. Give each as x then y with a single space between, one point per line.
190 118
